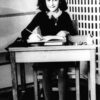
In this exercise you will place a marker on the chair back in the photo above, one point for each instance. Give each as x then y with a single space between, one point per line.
80 39
75 25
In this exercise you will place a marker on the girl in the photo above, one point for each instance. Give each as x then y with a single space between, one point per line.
53 21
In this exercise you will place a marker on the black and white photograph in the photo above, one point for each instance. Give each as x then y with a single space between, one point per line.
49 49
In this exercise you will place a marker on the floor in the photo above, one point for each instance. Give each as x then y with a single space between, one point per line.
29 93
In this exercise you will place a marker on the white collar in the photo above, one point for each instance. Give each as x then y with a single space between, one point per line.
54 14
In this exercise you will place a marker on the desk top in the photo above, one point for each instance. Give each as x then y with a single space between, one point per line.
46 48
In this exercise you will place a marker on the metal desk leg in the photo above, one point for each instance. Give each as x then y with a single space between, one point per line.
77 72
14 76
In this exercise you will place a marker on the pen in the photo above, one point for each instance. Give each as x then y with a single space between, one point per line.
28 31
39 36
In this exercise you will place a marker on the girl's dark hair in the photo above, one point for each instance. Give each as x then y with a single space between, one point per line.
42 5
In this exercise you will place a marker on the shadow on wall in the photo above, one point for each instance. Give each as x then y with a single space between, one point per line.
11 26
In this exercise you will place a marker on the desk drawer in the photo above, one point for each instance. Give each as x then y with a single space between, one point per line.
52 56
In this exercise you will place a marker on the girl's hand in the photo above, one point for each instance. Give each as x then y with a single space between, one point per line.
34 38
63 33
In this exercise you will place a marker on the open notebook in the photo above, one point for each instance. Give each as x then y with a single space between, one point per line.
48 40
54 42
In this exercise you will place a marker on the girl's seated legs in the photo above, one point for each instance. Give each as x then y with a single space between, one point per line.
48 74
62 84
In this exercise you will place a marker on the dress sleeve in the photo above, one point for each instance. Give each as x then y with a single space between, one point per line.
31 26
34 23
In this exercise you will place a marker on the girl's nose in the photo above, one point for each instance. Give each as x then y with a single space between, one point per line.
52 2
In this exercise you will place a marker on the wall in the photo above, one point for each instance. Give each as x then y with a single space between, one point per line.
17 6
14 17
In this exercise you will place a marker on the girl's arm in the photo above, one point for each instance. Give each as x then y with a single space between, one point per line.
32 25
63 33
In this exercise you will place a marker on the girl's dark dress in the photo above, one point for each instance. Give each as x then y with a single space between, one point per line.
51 27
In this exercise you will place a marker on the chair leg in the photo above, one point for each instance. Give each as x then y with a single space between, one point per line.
77 73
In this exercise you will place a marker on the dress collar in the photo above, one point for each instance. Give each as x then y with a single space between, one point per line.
54 14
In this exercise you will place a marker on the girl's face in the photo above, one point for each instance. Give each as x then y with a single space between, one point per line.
52 5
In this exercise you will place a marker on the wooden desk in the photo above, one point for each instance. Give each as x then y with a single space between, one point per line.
52 54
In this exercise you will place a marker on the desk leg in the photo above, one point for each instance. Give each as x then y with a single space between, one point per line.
35 84
92 76
77 72
23 78
14 76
